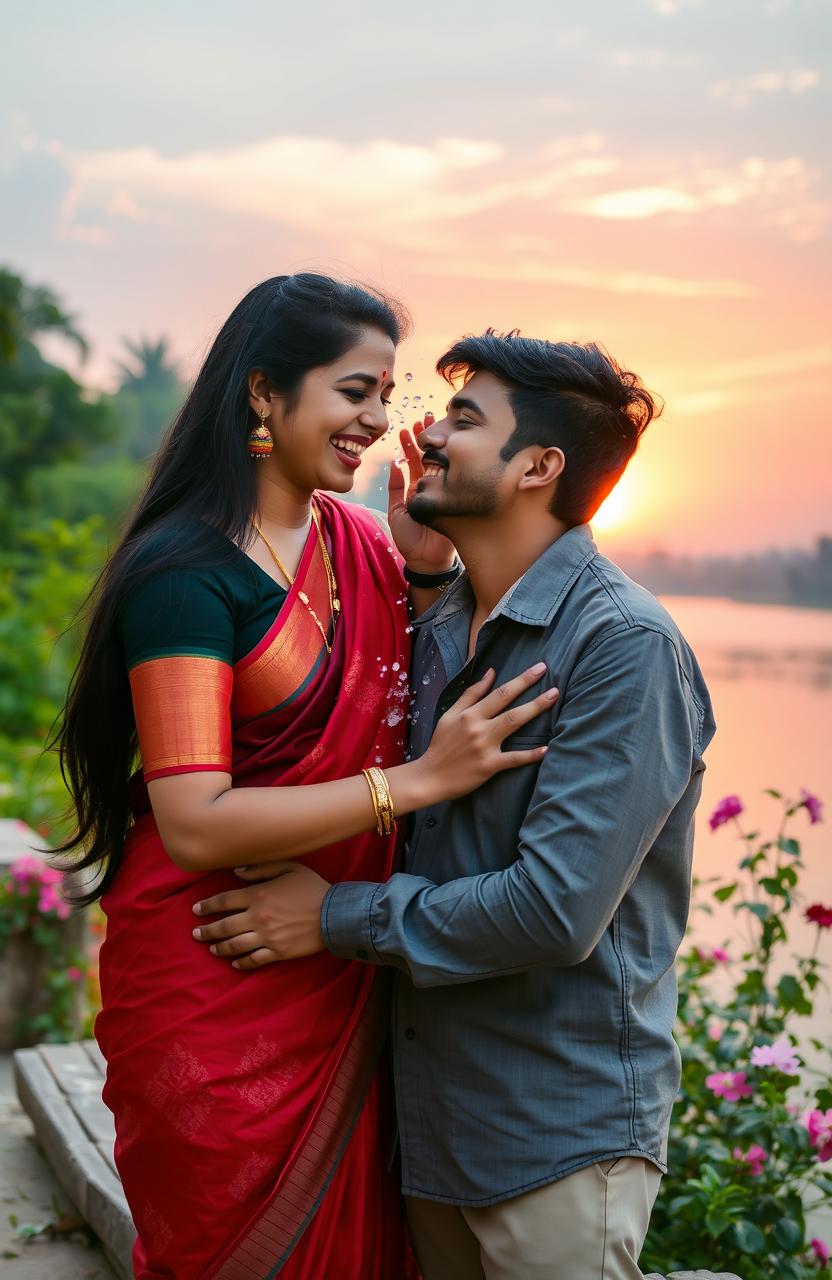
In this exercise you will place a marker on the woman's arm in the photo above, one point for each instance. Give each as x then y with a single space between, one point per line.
205 823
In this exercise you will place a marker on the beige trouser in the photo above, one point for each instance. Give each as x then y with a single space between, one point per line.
588 1226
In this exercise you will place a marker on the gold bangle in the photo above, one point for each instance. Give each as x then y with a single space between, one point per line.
385 801
374 796
382 800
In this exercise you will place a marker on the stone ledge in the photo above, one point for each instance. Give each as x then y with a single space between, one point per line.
59 1086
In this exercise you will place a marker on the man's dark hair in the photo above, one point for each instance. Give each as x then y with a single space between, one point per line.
567 395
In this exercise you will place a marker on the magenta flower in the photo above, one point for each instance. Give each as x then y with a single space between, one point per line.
755 1157
26 867
730 1085
819 915
820 1251
819 1127
812 804
715 1029
717 954
74 973
779 1055
729 807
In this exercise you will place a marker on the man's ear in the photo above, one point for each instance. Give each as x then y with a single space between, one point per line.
543 468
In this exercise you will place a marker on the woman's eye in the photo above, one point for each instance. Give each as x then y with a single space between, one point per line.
386 403
352 393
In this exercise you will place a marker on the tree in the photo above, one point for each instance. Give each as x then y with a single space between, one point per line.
149 394
45 415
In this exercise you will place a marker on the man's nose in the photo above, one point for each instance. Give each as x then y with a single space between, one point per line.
434 435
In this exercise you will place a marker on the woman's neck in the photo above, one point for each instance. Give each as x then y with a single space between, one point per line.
279 502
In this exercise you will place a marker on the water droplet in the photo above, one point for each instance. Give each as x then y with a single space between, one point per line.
408 377
394 716
406 401
395 666
378 759
408 630
425 679
417 399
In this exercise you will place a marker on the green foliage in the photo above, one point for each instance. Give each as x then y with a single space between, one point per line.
45 415
743 1165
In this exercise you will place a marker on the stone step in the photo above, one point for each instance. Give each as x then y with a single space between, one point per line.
59 1086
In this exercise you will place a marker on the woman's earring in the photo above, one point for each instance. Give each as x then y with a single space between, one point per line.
260 442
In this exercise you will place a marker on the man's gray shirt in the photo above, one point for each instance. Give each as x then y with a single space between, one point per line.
538 918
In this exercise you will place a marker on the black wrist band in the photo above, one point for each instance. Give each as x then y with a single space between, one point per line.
433 580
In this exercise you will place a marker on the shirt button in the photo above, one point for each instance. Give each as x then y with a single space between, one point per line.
430 821
362 954
409 1033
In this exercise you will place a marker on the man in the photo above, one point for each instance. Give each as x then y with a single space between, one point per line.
536 921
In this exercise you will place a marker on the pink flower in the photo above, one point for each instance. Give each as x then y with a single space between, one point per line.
820 1251
819 1127
728 808
717 954
730 1085
779 1055
755 1157
51 902
26 867
715 1029
812 804
819 915
74 973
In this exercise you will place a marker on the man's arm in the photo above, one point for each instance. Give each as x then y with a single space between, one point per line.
619 762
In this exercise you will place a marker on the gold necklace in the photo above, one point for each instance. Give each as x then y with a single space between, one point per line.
332 586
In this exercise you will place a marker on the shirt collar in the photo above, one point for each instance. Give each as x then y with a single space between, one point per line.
536 597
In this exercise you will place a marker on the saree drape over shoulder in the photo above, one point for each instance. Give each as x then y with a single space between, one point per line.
250 1109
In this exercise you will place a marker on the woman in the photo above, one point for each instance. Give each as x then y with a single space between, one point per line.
250 640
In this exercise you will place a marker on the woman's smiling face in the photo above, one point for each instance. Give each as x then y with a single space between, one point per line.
339 411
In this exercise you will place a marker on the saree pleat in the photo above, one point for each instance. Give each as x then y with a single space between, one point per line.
239 1096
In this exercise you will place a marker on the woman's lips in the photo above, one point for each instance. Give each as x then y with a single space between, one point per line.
350 460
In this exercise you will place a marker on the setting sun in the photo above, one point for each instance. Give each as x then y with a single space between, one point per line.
620 507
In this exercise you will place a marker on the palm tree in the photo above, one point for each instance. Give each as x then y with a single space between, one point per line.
153 369
150 391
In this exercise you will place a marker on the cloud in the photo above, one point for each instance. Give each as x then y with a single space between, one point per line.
651 59
742 92
780 192
764 377
534 271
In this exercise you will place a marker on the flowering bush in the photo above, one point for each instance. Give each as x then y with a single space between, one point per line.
752 1128
33 906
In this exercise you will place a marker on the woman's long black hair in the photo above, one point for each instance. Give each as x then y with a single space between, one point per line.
202 478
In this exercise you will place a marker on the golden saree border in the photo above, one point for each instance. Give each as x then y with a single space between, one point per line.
290 651
182 707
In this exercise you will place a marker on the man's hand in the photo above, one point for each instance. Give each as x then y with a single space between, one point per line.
279 919
424 549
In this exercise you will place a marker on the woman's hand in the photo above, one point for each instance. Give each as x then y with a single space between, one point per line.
424 550
465 749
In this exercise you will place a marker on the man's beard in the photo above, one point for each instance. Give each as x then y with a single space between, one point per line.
469 498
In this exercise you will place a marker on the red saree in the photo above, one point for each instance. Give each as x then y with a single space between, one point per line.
250 1107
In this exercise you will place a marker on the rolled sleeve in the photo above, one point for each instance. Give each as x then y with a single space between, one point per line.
347 921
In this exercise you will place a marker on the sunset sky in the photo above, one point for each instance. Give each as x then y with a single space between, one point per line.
650 174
